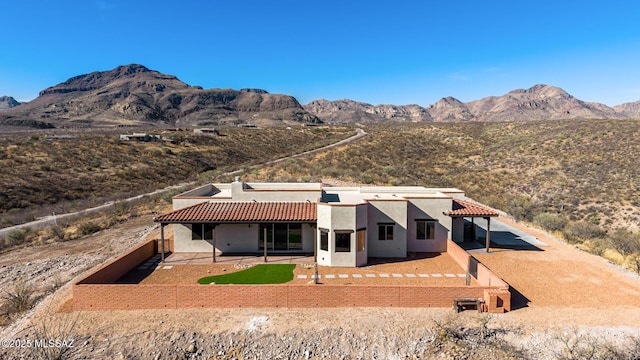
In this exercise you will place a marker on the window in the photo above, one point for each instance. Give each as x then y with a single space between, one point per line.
295 236
201 232
425 229
343 242
385 231
360 236
324 240
281 236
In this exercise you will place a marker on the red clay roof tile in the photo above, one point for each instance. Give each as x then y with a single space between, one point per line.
241 212
462 208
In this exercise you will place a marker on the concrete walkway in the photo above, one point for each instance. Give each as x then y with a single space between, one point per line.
199 258
504 236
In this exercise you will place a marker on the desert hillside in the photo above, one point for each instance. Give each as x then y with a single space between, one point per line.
82 169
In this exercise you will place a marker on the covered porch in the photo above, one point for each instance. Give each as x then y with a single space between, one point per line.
228 230
462 210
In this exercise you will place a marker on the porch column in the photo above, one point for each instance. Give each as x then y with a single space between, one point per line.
488 232
473 229
162 242
315 244
213 241
264 244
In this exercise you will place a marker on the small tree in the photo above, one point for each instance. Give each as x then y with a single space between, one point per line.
521 207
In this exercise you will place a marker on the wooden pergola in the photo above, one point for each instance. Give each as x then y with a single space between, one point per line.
467 209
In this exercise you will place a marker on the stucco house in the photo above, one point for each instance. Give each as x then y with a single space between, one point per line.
341 226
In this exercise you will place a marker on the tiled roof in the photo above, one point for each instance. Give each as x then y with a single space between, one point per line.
241 212
463 208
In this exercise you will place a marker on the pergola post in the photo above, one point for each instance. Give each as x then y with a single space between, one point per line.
162 225
213 241
315 243
488 232
264 242
473 229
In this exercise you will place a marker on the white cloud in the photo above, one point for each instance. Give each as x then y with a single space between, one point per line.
458 76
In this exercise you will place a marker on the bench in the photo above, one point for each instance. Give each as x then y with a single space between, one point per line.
460 304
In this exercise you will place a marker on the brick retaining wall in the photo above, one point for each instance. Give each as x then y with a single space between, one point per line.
115 269
97 291
499 298
172 296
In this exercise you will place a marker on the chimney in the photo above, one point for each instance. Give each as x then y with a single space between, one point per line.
236 187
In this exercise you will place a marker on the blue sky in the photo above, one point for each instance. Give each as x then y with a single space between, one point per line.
380 52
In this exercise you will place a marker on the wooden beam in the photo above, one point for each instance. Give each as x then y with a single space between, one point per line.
488 237
315 243
213 235
264 244
162 242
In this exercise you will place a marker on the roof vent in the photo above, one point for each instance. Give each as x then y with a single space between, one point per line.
237 178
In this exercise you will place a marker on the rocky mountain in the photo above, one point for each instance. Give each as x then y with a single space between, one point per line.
630 110
7 102
135 95
342 111
539 102
450 109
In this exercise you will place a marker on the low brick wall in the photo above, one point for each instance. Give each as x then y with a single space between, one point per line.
124 297
497 300
97 291
116 268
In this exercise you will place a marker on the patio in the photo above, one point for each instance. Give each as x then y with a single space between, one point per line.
420 269
198 258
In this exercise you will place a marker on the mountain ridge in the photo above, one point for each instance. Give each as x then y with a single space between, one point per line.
539 102
135 95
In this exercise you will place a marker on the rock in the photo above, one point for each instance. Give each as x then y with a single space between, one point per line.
192 348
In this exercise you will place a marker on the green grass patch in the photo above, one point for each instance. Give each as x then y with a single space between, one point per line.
259 274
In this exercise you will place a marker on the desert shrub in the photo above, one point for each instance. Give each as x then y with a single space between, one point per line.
521 207
16 237
550 222
121 208
449 328
88 227
576 345
624 241
19 299
582 230
56 232
61 330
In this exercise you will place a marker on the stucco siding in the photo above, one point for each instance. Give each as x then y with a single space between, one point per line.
183 243
237 237
428 209
390 212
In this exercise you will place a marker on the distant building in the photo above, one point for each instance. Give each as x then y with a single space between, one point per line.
140 137
206 131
